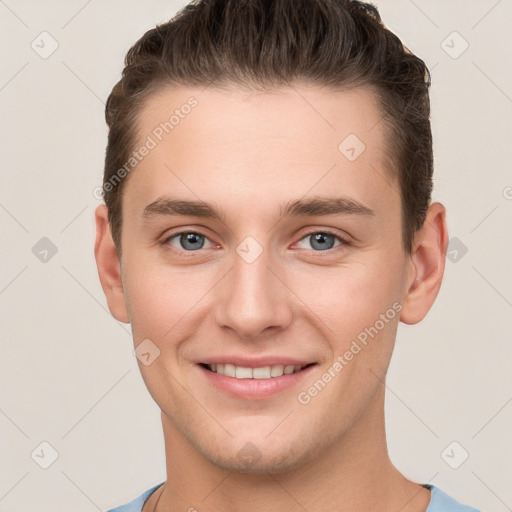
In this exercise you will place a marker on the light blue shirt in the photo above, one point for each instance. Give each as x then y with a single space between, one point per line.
439 502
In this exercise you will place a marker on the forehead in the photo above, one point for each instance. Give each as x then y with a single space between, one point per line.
319 114
211 144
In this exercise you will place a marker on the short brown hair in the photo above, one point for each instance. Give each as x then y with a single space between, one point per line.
258 44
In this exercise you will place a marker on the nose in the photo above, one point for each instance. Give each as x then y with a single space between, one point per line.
254 299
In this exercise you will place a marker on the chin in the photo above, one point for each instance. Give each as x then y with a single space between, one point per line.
260 457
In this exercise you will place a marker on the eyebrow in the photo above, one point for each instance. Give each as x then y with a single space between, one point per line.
315 206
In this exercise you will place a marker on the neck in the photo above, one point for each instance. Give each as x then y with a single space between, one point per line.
354 474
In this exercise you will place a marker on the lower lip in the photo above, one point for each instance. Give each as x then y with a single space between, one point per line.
255 389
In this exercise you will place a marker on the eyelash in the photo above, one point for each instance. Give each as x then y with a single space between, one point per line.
165 242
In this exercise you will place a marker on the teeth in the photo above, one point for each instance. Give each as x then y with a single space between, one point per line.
229 370
277 370
289 369
243 373
264 372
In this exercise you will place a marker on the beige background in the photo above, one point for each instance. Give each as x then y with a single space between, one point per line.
67 371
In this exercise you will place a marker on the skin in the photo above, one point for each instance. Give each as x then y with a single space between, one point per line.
247 154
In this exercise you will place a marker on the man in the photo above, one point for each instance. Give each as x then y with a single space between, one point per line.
267 224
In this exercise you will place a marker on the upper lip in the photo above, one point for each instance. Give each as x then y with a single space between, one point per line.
256 362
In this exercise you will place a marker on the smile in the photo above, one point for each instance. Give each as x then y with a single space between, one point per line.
258 382
263 372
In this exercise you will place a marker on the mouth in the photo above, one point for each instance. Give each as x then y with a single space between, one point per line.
254 382
262 372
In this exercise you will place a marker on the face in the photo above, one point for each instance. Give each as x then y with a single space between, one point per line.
259 280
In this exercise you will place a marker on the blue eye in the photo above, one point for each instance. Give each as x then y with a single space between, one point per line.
188 241
323 240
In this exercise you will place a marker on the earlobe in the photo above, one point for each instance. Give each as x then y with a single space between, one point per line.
427 264
109 266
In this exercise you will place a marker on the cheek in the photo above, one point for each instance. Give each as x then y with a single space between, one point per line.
167 304
160 307
347 299
156 300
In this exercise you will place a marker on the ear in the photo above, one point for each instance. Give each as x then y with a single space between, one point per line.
426 266
109 266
